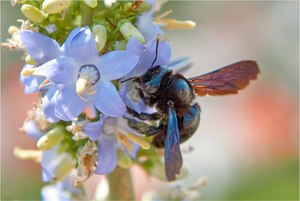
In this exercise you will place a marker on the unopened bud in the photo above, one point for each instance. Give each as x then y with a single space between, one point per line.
124 160
55 6
65 167
128 30
91 3
50 139
32 13
29 60
100 35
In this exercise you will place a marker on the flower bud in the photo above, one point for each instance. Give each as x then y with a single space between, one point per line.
29 60
55 6
32 13
91 3
65 167
100 35
124 160
128 30
50 139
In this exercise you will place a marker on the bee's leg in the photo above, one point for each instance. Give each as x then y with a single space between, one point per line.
145 128
144 116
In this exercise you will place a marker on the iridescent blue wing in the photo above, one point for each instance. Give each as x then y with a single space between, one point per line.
173 158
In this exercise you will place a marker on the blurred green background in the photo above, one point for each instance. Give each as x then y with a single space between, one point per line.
246 146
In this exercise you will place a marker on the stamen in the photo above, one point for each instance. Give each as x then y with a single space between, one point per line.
123 140
28 154
46 82
88 76
165 14
28 72
176 24
81 85
138 140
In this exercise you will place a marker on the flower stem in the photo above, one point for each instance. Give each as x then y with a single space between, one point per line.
120 184
87 14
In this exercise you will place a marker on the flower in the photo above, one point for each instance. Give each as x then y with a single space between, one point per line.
76 129
83 77
113 134
41 49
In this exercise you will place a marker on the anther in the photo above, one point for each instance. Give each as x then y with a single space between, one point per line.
138 140
27 72
123 140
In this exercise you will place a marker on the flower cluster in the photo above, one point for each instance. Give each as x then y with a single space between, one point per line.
76 54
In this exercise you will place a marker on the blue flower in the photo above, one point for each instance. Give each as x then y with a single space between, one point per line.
42 49
145 23
83 77
112 134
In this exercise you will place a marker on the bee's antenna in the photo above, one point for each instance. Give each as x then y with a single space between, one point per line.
156 50
131 78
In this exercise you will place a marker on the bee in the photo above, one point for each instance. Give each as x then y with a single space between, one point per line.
172 95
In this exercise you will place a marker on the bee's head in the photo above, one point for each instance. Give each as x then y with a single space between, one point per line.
152 79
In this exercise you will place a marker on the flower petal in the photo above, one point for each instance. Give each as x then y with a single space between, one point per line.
66 46
146 59
107 156
31 83
83 47
94 129
58 71
116 64
146 26
69 105
31 129
108 101
49 101
49 161
135 45
41 48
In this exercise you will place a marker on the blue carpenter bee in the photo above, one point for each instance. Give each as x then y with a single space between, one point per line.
172 96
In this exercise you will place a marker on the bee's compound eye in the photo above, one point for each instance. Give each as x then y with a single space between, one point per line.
182 90
184 94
